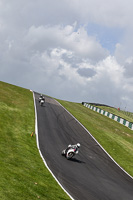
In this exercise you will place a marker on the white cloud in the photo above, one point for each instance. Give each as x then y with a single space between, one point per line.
66 37
109 13
50 49
111 69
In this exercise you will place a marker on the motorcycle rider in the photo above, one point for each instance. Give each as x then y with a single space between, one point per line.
41 98
74 146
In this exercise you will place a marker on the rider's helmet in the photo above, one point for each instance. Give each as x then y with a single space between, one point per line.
78 145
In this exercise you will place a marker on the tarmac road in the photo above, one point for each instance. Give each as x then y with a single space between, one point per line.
91 175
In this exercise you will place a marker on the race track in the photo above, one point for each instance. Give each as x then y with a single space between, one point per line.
91 175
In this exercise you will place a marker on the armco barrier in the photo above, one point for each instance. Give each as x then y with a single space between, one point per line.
110 115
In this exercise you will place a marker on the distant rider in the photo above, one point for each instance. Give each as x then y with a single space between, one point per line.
41 98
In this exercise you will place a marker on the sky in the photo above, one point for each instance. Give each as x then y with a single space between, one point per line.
79 51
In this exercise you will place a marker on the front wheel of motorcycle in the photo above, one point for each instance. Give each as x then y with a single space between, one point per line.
69 155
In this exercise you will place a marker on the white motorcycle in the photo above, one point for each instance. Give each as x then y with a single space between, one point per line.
69 152
41 102
39 99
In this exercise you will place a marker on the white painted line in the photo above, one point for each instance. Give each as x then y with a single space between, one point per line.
98 143
36 131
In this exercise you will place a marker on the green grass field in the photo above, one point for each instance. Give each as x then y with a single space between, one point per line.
23 175
22 171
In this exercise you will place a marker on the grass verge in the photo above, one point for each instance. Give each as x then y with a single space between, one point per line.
115 138
22 171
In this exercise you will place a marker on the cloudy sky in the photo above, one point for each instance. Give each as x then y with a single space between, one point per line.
69 49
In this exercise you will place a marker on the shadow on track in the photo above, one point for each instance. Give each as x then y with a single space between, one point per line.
43 106
76 160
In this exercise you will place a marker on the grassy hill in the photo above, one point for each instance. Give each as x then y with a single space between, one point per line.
23 174
22 171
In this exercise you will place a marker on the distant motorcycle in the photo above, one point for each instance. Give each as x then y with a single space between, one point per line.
39 99
70 151
42 102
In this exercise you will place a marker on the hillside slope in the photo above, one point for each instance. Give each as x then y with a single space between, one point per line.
22 171
23 174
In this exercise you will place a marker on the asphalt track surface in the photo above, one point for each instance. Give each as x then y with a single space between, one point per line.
91 175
